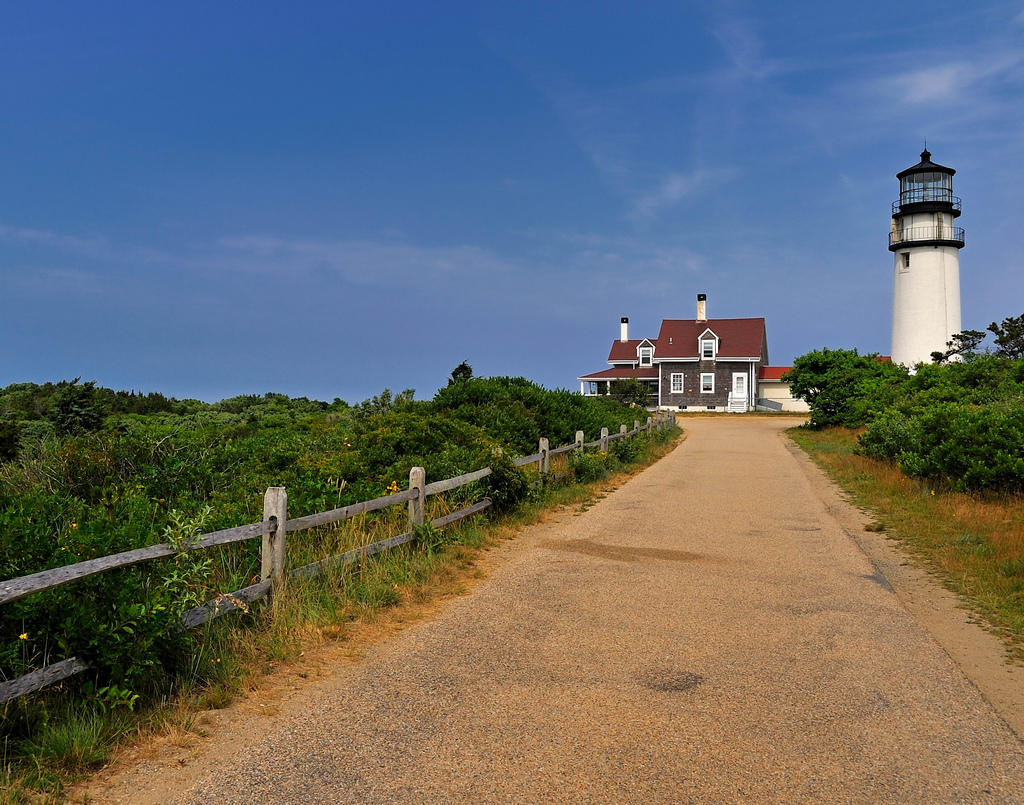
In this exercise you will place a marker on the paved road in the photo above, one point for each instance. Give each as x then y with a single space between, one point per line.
707 633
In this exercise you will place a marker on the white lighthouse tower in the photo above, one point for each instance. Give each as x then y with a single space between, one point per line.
926 246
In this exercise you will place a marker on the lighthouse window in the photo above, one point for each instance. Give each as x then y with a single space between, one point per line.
905 261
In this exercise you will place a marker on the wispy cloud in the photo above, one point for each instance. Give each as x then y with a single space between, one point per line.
94 246
737 34
673 189
362 262
955 82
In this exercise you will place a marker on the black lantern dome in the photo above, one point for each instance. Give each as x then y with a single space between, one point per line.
926 187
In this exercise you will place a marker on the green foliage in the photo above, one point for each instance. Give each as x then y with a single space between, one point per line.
74 408
10 440
629 392
965 343
1009 337
625 450
461 373
383 403
961 423
842 387
96 472
517 412
507 485
967 447
587 466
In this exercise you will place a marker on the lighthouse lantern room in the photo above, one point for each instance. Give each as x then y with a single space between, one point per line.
926 247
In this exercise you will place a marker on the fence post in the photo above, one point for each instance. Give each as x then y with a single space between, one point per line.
545 458
622 429
649 421
275 517
636 425
417 480
579 440
604 440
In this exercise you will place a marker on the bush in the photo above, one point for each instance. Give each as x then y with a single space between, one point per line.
100 472
10 440
970 448
507 484
588 466
842 387
625 450
74 409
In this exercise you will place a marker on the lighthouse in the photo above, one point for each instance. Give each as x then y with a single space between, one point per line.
926 246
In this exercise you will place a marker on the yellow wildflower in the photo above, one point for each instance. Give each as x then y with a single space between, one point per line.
23 636
74 526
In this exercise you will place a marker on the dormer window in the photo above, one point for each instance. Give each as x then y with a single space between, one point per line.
646 354
707 349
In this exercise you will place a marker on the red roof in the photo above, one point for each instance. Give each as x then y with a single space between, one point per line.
737 338
624 350
624 373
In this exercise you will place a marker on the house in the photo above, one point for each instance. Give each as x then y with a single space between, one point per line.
694 364
774 395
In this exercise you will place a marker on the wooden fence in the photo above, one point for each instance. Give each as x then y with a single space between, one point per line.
273 530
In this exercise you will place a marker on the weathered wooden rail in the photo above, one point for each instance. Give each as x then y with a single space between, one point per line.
273 530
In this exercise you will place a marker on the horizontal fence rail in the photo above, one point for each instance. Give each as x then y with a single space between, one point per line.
48 579
345 512
274 536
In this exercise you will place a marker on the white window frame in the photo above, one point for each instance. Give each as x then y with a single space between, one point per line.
703 376
704 341
646 356
672 379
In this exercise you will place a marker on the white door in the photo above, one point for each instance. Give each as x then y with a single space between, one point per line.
739 386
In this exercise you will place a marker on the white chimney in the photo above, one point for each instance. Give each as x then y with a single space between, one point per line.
624 332
702 307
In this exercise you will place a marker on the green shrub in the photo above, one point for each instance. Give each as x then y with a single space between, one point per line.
99 472
74 408
970 448
625 450
842 387
587 466
10 440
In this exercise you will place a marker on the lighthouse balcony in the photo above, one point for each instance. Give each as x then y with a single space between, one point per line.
926 236
924 199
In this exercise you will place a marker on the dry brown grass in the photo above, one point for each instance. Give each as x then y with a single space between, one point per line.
973 543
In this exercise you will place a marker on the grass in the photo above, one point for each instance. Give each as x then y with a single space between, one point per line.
347 608
974 544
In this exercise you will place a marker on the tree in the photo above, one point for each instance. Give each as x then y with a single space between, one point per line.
461 373
74 408
965 343
629 392
10 440
843 387
1009 337
383 403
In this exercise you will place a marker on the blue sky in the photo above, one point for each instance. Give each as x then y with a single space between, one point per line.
324 199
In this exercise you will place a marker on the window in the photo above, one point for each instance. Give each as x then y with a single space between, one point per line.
707 348
707 383
905 262
646 354
677 382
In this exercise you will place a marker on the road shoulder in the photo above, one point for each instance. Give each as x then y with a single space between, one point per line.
979 654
